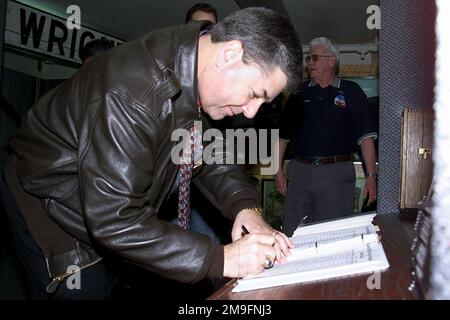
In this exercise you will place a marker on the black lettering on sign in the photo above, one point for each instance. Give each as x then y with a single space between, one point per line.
83 37
52 38
73 43
30 26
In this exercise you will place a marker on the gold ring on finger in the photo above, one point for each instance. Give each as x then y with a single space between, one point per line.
268 263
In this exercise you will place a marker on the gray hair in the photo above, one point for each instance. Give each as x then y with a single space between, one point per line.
329 44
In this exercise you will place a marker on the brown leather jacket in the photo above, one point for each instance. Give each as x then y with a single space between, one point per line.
96 151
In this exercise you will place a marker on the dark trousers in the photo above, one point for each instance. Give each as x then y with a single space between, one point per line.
96 282
320 192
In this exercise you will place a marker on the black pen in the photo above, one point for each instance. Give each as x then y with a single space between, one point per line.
244 229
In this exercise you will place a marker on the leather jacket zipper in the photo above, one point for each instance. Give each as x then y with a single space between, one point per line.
54 284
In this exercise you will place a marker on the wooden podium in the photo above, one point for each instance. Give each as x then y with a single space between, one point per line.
416 171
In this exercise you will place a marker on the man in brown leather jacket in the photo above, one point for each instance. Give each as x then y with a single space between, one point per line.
92 162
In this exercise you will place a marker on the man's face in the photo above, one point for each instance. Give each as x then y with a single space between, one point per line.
202 15
321 63
241 88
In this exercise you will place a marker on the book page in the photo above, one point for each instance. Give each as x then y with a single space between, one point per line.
321 237
321 248
334 225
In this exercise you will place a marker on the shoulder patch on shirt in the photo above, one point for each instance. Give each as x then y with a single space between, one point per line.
339 101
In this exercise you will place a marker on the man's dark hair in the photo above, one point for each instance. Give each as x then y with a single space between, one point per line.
94 48
268 38
201 6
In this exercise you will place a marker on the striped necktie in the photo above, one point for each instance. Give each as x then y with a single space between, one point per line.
186 169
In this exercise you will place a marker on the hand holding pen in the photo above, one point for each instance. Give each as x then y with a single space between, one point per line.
282 245
269 261
249 255
254 245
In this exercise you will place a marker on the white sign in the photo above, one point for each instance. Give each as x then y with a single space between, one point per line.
35 30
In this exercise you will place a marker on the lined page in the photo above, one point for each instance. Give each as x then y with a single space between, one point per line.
309 240
329 247
334 225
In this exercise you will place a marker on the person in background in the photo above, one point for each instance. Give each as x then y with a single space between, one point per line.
326 119
94 48
92 167
201 11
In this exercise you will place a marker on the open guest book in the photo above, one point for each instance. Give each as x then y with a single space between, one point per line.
325 250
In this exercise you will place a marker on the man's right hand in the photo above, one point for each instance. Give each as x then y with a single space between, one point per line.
247 255
281 183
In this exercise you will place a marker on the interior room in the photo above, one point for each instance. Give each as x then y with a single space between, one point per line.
381 48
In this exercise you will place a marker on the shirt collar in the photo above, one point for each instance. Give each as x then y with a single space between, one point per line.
335 83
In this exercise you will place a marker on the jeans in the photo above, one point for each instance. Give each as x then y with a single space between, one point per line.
92 283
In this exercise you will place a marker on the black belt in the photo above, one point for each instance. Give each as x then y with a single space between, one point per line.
324 160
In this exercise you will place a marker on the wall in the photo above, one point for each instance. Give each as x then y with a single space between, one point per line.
29 66
407 45
2 33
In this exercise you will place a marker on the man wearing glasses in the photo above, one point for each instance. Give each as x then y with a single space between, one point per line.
326 120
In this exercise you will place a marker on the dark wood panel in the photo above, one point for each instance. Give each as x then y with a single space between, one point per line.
394 281
416 170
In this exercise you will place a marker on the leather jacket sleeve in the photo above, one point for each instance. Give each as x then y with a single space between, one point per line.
117 175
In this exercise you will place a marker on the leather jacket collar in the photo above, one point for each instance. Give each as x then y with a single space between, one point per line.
186 71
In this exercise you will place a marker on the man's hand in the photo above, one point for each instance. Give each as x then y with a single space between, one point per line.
281 183
255 224
247 255
370 190
368 152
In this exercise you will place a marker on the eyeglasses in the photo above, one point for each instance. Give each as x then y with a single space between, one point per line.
315 57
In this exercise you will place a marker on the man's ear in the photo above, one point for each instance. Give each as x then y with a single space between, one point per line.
333 61
229 53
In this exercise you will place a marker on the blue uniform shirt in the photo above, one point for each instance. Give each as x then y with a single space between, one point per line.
327 121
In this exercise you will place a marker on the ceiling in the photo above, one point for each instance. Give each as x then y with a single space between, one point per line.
342 20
